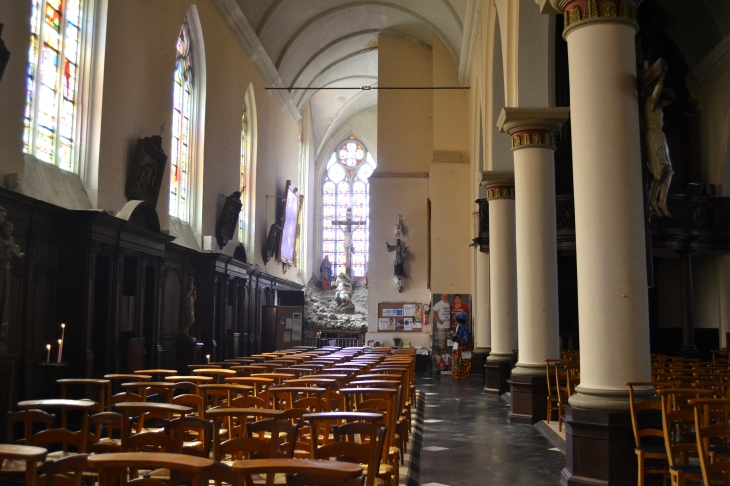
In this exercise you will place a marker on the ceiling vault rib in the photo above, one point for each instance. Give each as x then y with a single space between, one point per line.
266 16
333 10
250 42
453 14
331 65
349 36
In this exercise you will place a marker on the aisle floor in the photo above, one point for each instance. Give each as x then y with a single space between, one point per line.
468 440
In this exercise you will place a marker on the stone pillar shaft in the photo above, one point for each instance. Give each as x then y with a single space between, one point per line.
609 213
502 277
482 331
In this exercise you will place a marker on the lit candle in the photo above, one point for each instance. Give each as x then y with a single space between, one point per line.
48 358
207 356
63 334
60 351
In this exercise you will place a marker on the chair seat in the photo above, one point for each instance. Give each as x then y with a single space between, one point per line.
687 468
14 466
659 449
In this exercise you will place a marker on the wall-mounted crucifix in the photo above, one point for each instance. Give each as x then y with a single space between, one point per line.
346 226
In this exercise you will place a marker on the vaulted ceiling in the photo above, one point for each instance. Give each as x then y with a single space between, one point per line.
315 44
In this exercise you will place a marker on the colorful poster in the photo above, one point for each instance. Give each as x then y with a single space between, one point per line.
443 313
407 323
386 324
392 312
399 324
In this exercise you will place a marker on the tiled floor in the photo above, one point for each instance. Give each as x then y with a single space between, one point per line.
467 440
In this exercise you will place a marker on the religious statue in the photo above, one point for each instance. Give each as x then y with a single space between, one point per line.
191 296
399 258
9 254
343 295
325 272
660 164
347 225
399 284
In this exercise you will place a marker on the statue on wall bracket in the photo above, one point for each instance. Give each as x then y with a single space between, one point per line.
657 149
228 221
146 170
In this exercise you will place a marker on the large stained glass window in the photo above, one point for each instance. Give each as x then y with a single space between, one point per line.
181 129
52 84
346 186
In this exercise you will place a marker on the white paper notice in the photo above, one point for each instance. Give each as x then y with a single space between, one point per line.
409 310
466 354
289 323
455 346
287 337
408 324
296 332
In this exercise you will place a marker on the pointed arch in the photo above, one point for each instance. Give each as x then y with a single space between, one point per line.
249 131
188 126
342 183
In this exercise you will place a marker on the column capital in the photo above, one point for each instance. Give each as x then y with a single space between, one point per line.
581 12
532 127
500 184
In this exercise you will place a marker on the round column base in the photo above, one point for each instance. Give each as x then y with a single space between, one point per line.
525 369
607 400
496 357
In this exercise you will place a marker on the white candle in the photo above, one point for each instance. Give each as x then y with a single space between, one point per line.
63 334
207 356
60 351
48 358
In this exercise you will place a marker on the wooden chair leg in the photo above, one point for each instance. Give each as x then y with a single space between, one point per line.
640 457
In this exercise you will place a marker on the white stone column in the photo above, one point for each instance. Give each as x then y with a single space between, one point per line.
482 321
533 132
502 268
609 206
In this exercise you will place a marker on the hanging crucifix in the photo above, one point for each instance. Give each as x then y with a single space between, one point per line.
346 226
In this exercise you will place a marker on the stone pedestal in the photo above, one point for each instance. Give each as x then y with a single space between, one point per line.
528 402
599 448
497 376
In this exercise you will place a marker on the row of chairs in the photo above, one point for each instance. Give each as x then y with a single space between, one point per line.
219 411
680 420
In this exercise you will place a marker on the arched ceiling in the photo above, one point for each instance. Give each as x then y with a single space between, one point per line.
333 43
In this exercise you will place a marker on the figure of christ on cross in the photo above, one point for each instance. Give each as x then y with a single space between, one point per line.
347 228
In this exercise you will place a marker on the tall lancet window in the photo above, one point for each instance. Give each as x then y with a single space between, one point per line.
245 155
346 186
52 84
181 127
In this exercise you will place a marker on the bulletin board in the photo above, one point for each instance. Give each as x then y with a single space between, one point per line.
400 317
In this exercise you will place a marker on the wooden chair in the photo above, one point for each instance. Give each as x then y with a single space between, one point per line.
385 402
197 441
103 426
680 440
103 389
646 420
302 472
566 382
32 421
552 388
368 447
155 439
259 397
117 395
69 471
279 378
28 455
713 435
62 436
113 467
217 373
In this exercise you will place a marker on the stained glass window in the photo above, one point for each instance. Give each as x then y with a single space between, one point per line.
181 127
244 167
51 86
346 186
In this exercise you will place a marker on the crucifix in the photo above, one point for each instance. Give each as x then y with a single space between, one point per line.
347 225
